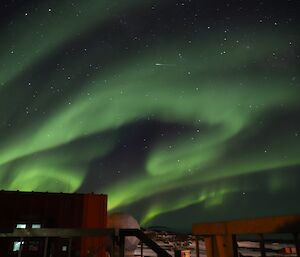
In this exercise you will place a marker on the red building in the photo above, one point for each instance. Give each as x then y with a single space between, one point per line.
51 210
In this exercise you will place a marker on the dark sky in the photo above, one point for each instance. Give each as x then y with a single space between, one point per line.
181 111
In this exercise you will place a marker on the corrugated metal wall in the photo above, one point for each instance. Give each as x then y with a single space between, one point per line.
52 210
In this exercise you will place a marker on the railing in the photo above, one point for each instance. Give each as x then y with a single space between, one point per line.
143 238
47 233
220 237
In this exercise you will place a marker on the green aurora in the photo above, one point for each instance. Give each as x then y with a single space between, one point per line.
218 114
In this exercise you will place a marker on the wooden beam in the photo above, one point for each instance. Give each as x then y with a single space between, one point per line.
279 224
209 228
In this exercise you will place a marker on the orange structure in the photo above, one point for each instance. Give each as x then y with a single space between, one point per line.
33 210
220 237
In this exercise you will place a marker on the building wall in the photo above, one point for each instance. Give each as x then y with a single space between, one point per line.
52 210
93 205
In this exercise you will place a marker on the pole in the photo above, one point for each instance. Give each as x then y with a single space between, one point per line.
142 249
21 247
262 245
69 247
197 246
235 246
121 245
46 246
297 244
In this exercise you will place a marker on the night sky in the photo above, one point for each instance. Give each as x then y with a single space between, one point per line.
181 111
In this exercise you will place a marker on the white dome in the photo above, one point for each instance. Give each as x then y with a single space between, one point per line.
123 220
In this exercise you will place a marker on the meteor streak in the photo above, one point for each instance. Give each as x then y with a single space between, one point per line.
165 64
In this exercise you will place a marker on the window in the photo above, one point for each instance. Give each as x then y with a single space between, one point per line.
17 245
21 225
36 225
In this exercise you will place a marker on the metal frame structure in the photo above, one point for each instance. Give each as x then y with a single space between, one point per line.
69 233
220 237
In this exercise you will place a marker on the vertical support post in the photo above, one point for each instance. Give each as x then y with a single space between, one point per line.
235 246
208 246
297 244
211 246
197 246
21 247
121 245
142 249
113 239
214 247
69 247
262 245
224 245
45 246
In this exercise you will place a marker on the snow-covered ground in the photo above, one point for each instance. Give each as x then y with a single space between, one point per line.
246 248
